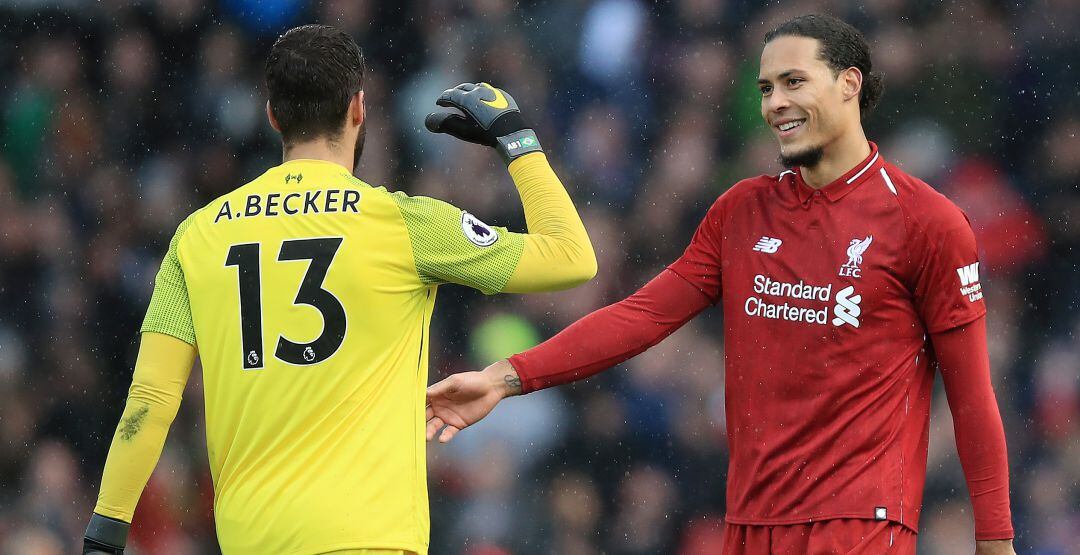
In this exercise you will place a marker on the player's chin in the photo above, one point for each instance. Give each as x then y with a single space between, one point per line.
803 154
792 145
794 148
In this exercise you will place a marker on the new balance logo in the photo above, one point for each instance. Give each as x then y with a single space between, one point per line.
847 309
768 245
969 282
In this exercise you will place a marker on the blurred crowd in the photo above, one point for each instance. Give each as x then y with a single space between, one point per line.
119 119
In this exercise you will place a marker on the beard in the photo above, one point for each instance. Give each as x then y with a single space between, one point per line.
358 148
807 158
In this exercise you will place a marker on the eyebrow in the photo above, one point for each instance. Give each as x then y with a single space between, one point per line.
782 76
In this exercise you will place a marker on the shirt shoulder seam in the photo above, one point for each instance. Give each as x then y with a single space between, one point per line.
398 198
181 232
909 232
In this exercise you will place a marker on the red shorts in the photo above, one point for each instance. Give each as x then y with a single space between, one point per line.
841 536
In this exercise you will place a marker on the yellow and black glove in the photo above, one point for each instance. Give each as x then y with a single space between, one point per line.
489 117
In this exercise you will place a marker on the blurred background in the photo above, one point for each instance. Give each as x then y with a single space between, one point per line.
117 120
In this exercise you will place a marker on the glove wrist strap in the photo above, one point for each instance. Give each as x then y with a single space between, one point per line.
517 144
109 531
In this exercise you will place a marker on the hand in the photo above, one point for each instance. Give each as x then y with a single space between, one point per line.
994 547
463 399
489 117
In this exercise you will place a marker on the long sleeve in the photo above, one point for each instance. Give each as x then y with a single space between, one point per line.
453 246
557 253
980 437
161 373
612 334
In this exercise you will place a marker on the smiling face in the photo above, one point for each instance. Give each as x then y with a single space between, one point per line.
805 103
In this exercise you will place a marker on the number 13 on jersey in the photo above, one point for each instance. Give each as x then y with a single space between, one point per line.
320 253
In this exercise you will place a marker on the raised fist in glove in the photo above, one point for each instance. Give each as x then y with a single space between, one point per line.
488 116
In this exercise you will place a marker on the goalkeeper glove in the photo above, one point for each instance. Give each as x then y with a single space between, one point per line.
489 116
105 536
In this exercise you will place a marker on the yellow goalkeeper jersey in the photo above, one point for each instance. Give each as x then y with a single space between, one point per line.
308 294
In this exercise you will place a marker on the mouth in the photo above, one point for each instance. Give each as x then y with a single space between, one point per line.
789 128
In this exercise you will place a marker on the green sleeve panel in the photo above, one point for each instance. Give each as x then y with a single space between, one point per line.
452 246
170 308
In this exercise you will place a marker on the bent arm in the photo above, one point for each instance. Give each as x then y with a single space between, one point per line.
556 253
980 436
161 373
612 334
452 246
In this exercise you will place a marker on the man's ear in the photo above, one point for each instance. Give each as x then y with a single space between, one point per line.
851 81
357 110
270 116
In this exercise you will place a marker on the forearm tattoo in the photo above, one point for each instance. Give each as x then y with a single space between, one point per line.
513 382
131 425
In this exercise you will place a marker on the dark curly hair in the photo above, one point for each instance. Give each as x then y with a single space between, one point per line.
311 72
842 46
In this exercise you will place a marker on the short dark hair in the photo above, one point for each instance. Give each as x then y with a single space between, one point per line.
842 46
311 72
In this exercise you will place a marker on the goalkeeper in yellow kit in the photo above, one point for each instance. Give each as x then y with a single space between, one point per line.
307 294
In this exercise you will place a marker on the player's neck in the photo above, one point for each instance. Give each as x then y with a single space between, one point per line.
320 149
840 156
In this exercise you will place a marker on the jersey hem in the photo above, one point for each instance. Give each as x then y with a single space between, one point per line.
330 549
175 334
958 323
1000 535
115 514
806 520
517 362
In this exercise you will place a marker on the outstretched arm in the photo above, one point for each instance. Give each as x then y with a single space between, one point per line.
161 373
980 437
612 334
596 342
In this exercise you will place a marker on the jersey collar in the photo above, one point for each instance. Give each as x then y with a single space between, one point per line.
296 161
846 183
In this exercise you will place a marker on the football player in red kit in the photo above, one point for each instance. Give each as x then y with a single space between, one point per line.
844 282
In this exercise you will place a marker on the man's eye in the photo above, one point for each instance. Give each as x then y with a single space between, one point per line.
794 81
766 90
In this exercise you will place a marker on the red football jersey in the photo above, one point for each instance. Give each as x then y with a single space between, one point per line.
828 299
